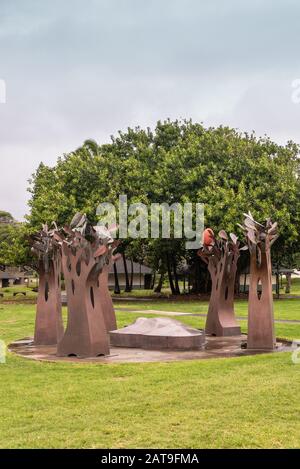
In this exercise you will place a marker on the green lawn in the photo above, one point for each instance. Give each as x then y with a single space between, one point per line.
283 308
224 403
137 293
8 293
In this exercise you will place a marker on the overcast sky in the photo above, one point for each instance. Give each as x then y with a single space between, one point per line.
78 69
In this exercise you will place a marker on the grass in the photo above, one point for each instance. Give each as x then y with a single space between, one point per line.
8 294
283 308
137 293
295 286
249 402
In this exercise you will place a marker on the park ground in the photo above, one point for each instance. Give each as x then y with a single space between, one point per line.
247 402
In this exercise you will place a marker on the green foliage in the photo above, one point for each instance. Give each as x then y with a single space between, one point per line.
240 402
6 217
229 172
14 246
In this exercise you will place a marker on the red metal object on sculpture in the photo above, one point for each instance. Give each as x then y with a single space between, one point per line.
48 323
259 239
86 250
221 256
208 237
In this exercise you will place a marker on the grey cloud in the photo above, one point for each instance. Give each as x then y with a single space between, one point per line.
78 69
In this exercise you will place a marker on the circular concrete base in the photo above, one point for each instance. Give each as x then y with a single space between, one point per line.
215 347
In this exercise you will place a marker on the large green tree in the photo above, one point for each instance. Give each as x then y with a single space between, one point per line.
228 171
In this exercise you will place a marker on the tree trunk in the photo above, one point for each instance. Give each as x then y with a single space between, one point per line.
127 282
86 334
106 300
160 283
173 290
153 280
196 279
131 274
117 290
220 319
48 323
177 289
288 282
261 333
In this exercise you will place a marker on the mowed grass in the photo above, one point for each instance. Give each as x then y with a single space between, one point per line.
283 308
249 402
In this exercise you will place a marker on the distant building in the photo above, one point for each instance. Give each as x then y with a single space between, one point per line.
142 275
10 276
245 282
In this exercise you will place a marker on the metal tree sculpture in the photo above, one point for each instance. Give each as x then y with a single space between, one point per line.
105 298
259 239
84 255
221 256
48 323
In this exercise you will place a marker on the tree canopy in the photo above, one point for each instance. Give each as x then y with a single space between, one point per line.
180 161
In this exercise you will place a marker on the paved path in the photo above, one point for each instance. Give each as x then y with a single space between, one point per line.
202 315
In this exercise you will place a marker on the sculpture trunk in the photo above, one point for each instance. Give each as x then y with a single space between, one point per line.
86 334
261 333
221 318
48 323
106 300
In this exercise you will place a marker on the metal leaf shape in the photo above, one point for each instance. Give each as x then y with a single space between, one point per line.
116 257
273 228
251 236
273 239
78 220
233 237
249 223
248 215
223 235
100 251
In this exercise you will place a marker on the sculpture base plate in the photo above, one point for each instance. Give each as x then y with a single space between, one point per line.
215 347
226 331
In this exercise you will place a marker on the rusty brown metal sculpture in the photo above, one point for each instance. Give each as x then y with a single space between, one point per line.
85 253
48 323
105 297
221 256
259 240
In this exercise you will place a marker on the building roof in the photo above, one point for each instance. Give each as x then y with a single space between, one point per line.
137 268
12 273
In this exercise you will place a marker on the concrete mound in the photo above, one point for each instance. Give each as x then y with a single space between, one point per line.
158 334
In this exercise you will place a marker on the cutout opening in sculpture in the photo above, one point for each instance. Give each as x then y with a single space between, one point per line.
259 289
92 297
46 291
78 267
